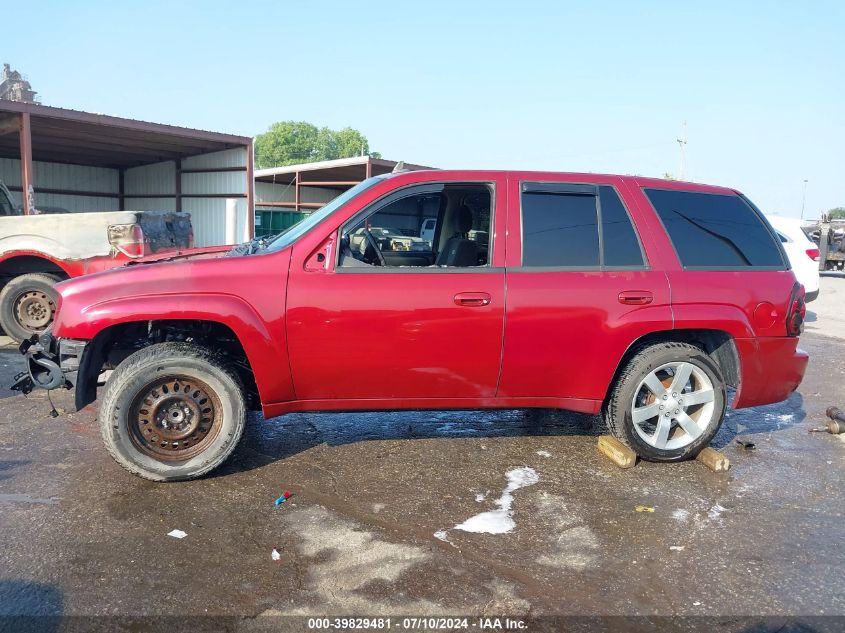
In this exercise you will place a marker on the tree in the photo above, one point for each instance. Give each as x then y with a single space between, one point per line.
292 142
837 213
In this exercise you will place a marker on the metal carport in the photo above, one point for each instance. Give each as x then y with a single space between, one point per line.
91 162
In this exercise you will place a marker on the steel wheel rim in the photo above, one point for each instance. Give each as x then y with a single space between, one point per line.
34 310
673 406
175 418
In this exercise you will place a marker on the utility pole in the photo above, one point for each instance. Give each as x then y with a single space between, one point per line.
803 198
681 144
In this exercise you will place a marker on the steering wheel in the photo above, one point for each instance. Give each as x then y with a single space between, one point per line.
372 241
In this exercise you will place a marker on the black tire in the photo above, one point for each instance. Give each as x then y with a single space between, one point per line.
618 415
41 284
129 415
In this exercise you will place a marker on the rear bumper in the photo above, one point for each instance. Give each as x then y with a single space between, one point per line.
811 296
770 370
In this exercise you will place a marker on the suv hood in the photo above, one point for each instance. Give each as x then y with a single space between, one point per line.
92 300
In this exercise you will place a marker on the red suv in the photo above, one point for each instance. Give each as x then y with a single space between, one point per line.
640 299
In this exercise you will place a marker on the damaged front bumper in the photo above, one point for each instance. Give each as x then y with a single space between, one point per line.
52 363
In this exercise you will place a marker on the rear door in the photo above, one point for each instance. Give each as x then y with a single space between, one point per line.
581 287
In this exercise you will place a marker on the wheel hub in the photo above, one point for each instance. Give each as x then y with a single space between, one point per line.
34 310
175 418
673 405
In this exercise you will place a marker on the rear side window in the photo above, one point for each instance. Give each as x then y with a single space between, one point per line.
715 231
619 241
576 226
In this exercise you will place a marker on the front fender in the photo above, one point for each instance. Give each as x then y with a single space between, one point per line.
266 353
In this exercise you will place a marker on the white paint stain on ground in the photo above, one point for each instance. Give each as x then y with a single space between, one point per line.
177 534
481 496
544 453
572 543
680 515
343 558
715 512
500 520
24 498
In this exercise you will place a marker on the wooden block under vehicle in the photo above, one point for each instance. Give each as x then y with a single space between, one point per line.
618 453
714 460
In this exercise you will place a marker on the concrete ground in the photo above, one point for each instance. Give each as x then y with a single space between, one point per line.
80 536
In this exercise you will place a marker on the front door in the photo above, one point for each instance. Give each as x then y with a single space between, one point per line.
403 313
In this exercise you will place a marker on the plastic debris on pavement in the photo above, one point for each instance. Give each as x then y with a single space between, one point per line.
285 496
644 509
749 446
177 534
275 554
677 548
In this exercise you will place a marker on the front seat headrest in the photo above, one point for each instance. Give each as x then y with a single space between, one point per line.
463 219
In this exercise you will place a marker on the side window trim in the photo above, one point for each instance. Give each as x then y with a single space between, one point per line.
578 189
411 190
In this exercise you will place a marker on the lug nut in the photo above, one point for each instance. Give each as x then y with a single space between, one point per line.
674 395
662 407
665 397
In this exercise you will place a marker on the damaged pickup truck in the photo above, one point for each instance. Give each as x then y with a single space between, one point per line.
636 298
38 251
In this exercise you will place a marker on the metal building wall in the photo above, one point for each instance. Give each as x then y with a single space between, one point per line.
149 188
150 180
271 192
70 177
208 214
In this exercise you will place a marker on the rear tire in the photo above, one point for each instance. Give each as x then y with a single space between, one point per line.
172 411
28 304
668 403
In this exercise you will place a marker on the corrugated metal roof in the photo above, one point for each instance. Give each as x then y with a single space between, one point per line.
35 109
333 164
84 138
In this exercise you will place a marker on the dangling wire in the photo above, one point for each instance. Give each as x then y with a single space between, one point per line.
53 412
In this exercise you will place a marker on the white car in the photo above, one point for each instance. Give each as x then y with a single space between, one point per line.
802 252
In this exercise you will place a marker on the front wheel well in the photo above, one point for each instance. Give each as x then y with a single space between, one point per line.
718 344
115 343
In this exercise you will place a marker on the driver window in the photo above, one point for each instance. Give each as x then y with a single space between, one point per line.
427 229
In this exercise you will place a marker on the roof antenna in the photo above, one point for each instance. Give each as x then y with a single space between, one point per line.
400 166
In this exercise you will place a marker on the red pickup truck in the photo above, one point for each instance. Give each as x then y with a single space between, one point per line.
637 298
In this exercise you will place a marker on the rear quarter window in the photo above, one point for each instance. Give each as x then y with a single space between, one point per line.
716 231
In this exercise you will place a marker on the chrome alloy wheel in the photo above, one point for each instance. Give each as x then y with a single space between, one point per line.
673 406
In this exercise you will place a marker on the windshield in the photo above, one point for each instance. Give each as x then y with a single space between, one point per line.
283 240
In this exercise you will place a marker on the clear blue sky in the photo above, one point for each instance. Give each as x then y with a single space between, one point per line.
575 86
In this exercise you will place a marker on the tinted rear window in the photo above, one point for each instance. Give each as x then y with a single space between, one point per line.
559 230
714 230
619 241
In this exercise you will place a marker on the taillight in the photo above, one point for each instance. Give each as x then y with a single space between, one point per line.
796 312
127 238
813 253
